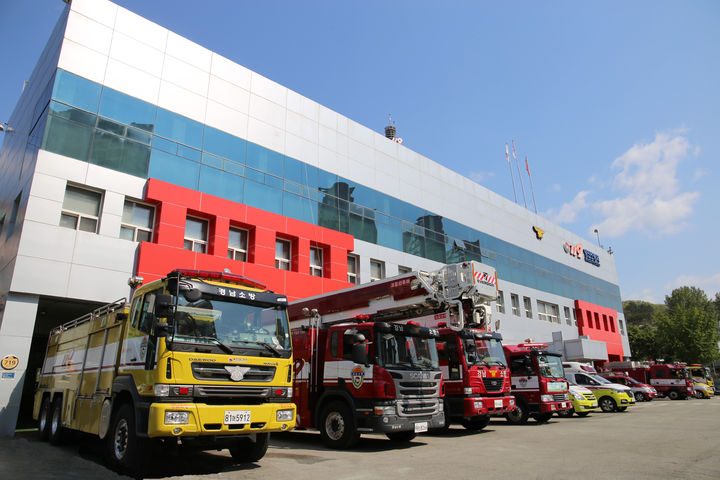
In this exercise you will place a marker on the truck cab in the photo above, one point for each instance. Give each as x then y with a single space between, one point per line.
671 381
538 382
704 385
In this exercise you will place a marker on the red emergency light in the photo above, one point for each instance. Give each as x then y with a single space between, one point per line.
223 276
533 345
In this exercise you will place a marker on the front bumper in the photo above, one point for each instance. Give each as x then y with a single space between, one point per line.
204 420
395 423
481 406
585 406
625 400
552 407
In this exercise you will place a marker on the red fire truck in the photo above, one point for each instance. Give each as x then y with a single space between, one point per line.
363 361
538 382
670 380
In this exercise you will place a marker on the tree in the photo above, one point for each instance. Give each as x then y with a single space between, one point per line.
638 312
688 330
643 342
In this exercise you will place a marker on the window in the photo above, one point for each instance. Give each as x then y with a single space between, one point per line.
622 327
515 301
548 312
196 235
377 270
448 355
528 307
137 222
282 254
2 224
316 261
81 209
402 269
237 244
352 268
575 320
567 315
500 302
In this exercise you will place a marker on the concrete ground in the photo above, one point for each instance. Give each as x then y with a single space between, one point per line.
659 440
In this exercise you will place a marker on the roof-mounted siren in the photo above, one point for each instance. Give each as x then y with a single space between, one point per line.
391 131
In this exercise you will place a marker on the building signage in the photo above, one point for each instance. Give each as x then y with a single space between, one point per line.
9 362
539 232
579 252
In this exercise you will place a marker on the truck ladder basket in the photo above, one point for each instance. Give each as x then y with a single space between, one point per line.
98 312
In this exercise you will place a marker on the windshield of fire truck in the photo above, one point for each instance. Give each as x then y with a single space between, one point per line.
698 372
405 351
550 366
232 325
484 352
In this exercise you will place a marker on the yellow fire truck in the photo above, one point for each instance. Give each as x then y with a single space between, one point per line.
200 359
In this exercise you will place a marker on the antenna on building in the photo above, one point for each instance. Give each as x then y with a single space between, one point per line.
391 131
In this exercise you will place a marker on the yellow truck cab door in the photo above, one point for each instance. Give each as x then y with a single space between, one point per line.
139 351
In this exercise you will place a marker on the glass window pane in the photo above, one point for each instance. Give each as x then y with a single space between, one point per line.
82 201
70 113
300 172
264 159
127 233
76 91
127 110
176 127
263 197
198 247
144 236
237 239
222 184
120 154
88 224
212 160
236 168
195 229
68 221
187 244
282 249
165 145
189 153
172 169
224 145
67 138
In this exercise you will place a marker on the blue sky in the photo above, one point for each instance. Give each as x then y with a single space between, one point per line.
616 104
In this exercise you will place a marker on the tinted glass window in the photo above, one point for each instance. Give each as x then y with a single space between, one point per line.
264 197
120 154
300 172
222 184
76 91
127 110
176 127
172 169
264 159
67 138
224 145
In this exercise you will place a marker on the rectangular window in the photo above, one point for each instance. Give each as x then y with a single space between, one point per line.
515 301
548 312
500 302
137 222
282 254
402 269
528 307
237 244
575 320
352 267
316 261
81 209
622 327
196 235
567 315
377 270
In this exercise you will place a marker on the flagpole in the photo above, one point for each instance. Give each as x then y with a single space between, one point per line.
517 165
507 157
527 167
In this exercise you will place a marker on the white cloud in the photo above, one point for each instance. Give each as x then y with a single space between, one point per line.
710 285
569 211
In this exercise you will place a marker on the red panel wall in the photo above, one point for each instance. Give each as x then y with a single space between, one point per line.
600 323
175 203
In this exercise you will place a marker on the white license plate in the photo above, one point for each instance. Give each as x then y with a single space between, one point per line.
421 427
498 403
236 417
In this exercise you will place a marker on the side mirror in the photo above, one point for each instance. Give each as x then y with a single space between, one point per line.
164 304
191 294
162 329
359 353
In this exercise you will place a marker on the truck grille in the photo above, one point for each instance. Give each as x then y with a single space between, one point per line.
413 389
493 384
417 396
231 391
216 372
411 408
559 397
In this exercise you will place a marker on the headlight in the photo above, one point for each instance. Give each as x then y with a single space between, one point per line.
546 398
468 391
162 390
577 396
176 418
387 410
284 415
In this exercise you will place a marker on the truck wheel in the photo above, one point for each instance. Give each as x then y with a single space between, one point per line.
401 436
640 397
519 416
673 395
44 419
337 426
476 424
245 450
607 404
56 432
542 417
124 448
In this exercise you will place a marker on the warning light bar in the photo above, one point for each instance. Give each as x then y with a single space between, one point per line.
222 276
533 345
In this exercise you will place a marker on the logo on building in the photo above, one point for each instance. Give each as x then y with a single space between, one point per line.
358 375
9 362
539 232
579 252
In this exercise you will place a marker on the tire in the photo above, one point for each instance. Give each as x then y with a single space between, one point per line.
477 423
542 417
583 414
124 449
44 419
673 395
640 397
566 413
401 437
607 404
338 429
56 432
621 409
247 451
520 415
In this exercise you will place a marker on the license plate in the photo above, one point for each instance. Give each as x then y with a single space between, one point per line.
236 417
421 427
594 405
498 403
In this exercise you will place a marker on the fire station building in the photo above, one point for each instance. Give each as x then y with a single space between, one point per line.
134 151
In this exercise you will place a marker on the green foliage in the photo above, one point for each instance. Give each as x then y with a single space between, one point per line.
638 312
642 342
